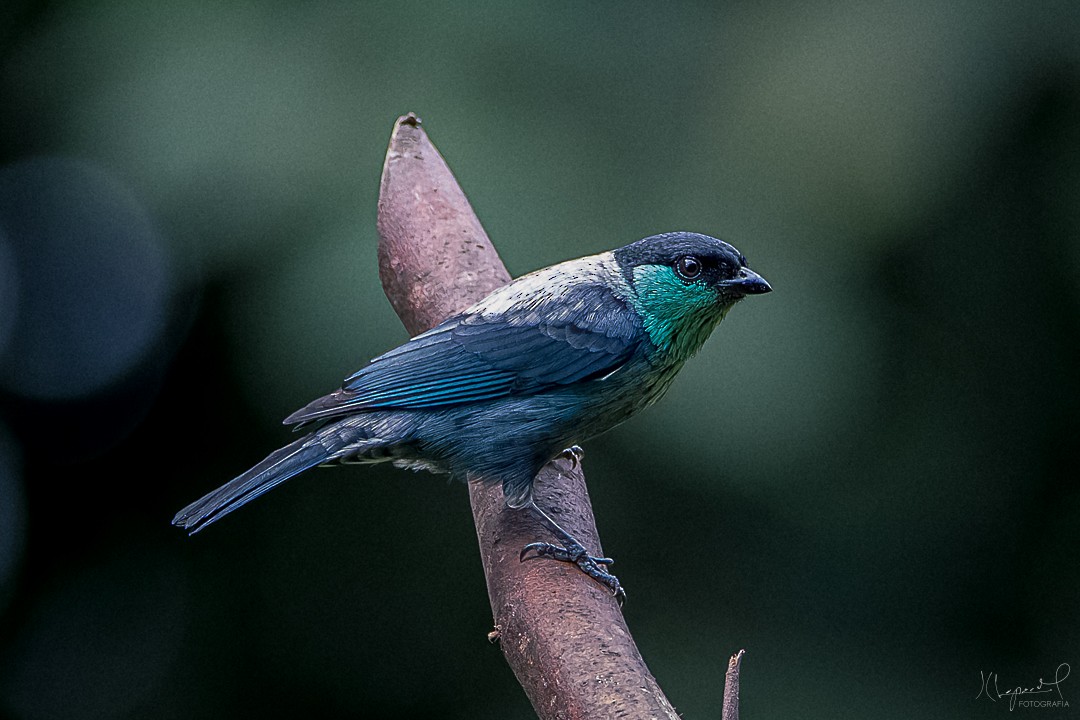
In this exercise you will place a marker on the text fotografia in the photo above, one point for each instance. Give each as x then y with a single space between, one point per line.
1045 694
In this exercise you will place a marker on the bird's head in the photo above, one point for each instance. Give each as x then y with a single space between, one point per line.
683 284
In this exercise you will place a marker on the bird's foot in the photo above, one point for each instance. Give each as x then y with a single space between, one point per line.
588 564
574 454
572 551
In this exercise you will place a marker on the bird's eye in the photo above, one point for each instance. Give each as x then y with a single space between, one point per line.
688 267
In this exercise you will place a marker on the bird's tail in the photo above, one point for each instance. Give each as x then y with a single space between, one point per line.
279 466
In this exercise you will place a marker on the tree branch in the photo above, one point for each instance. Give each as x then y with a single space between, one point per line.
561 632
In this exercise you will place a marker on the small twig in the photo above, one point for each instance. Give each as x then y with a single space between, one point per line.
731 687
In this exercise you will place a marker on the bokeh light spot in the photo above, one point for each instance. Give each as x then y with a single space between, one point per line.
92 279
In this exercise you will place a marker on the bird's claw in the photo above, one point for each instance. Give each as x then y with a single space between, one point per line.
557 552
588 564
574 454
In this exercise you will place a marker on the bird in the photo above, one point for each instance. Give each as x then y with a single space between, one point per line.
540 365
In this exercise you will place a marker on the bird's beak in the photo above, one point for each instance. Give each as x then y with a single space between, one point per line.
749 283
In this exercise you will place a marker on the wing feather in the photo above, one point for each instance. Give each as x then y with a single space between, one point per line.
528 347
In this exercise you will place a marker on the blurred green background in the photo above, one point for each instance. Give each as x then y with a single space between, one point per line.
863 479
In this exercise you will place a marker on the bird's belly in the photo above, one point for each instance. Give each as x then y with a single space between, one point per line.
525 432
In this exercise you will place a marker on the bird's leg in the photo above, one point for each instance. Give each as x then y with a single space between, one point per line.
574 552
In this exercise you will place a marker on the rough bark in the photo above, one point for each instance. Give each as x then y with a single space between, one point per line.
562 633
731 687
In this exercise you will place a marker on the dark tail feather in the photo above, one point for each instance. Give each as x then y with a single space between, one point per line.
279 466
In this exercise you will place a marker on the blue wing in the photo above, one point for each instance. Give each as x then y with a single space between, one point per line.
535 344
